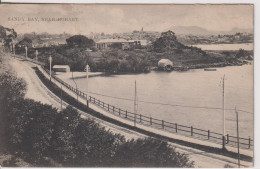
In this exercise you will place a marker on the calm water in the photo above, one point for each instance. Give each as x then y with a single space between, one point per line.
191 88
245 46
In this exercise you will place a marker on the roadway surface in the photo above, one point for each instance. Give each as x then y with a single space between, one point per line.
37 91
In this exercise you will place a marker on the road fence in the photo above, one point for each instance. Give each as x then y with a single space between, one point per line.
189 131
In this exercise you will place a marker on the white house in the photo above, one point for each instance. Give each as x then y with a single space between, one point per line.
61 68
126 44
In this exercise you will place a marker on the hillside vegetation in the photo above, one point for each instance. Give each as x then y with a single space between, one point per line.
44 136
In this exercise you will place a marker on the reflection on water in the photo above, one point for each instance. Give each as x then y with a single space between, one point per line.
245 46
197 88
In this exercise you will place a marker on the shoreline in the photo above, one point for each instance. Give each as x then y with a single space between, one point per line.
80 75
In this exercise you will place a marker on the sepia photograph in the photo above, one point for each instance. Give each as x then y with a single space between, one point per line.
127 85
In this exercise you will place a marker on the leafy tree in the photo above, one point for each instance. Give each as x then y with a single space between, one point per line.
30 128
25 42
80 41
241 53
116 46
63 140
167 41
149 153
95 145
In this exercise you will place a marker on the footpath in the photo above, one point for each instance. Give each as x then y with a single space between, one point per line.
199 149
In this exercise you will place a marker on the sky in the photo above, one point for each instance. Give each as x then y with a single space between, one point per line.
124 18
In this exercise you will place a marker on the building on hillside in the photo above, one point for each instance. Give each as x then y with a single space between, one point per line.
122 43
61 68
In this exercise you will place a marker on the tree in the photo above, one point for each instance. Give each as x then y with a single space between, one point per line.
63 140
241 53
25 42
149 152
167 41
80 41
116 46
30 128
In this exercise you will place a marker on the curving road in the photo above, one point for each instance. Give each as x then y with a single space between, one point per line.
37 91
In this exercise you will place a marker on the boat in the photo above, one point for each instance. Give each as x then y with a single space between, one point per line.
209 69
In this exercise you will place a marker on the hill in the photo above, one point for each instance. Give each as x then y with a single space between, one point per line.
196 30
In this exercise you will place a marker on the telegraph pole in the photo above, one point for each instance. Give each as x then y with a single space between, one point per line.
50 59
223 109
61 97
26 51
238 153
76 88
14 48
87 67
135 105
36 56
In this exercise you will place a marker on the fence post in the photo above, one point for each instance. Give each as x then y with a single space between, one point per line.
126 114
191 131
227 138
94 100
108 107
162 124
151 122
87 104
119 112
140 118
89 98
113 109
176 127
208 134
249 142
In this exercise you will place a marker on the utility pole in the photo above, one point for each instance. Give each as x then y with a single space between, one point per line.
238 153
223 109
14 48
50 59
76 88
61 97
87 67
135 104
36 56
26 51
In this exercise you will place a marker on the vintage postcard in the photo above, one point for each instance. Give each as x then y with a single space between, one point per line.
113 85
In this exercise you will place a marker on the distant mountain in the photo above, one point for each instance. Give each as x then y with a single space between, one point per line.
192 30
196 30
235 30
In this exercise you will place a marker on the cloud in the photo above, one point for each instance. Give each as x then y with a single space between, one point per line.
123 18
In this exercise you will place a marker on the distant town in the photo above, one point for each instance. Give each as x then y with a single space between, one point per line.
130 52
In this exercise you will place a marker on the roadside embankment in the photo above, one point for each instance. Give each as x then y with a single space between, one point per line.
147 130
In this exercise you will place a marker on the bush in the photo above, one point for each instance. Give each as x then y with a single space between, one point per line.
43 136
149 152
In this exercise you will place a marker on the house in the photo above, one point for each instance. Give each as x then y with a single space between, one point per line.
61 68
121 43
